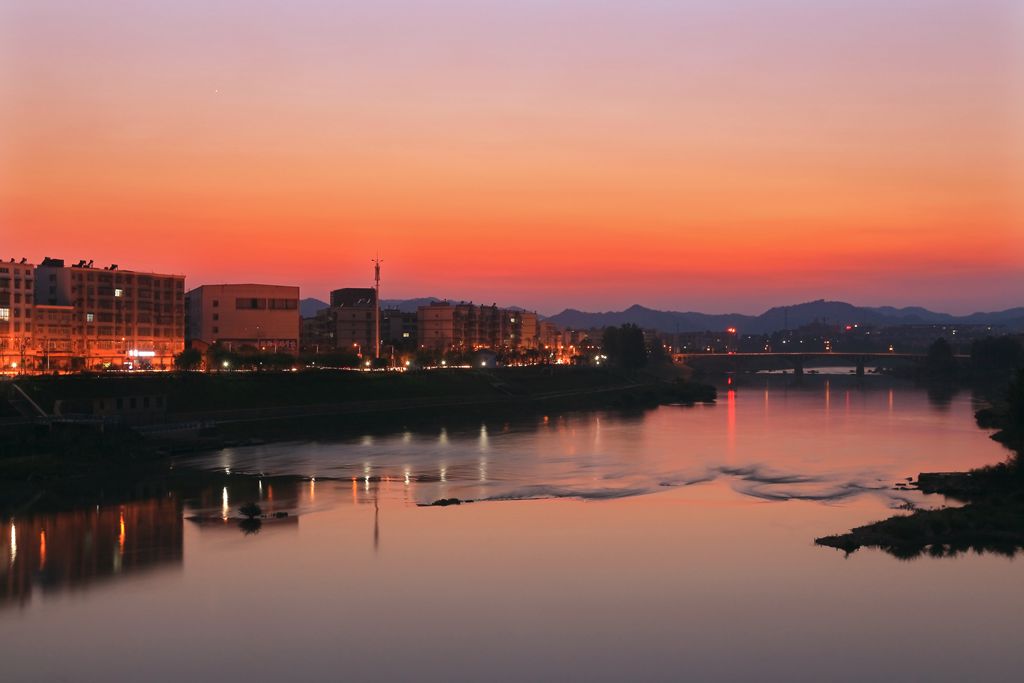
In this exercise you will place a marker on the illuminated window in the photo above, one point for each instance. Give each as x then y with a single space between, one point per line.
118 292
5 314
90 317
405 334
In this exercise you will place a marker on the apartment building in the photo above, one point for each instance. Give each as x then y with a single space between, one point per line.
119 318
399 329
245 316
353 319
443 326
17 281
463 326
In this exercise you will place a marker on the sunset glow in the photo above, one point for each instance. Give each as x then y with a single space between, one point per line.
698 155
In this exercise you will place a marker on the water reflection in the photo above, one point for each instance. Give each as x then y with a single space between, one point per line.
766 444
779 442
718 560
251 504
941 395
61 551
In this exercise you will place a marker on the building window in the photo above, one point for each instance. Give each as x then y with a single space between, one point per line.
216 303
216 316
90 317
118 292
250 304
216 329
5 314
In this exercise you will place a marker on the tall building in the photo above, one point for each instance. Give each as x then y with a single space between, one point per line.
399 329
445 326
16 303
263 317
353 318
519 329
119 318
549 338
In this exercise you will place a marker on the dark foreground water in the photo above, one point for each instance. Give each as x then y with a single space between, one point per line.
671 545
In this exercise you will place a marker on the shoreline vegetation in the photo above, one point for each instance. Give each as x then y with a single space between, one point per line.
991 518
47 463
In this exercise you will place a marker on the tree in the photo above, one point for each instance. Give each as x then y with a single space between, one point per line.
940 361
189 359
996 355
624 346
251 510
658 356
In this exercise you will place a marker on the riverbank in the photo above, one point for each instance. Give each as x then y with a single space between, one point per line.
992 517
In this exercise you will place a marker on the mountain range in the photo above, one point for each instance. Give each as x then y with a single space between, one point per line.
783 317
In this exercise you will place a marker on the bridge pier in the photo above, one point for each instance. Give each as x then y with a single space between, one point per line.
860 367
798 367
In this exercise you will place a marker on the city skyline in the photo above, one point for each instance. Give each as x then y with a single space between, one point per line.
685 156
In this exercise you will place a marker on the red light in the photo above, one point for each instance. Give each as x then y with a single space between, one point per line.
729 381
731 330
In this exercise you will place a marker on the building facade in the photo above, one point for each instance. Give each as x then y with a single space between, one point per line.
17 281
245 316
399 329
120 319
445 326
353 318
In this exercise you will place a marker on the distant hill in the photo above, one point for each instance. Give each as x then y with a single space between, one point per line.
781 317
309 307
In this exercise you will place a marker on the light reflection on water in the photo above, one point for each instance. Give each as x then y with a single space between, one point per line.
691 559
825 443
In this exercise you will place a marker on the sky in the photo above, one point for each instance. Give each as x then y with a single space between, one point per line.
716 155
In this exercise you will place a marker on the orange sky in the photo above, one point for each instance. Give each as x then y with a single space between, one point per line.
690 155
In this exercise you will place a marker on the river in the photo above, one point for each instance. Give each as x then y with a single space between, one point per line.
671 544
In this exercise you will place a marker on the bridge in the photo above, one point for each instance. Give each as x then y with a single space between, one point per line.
798 360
